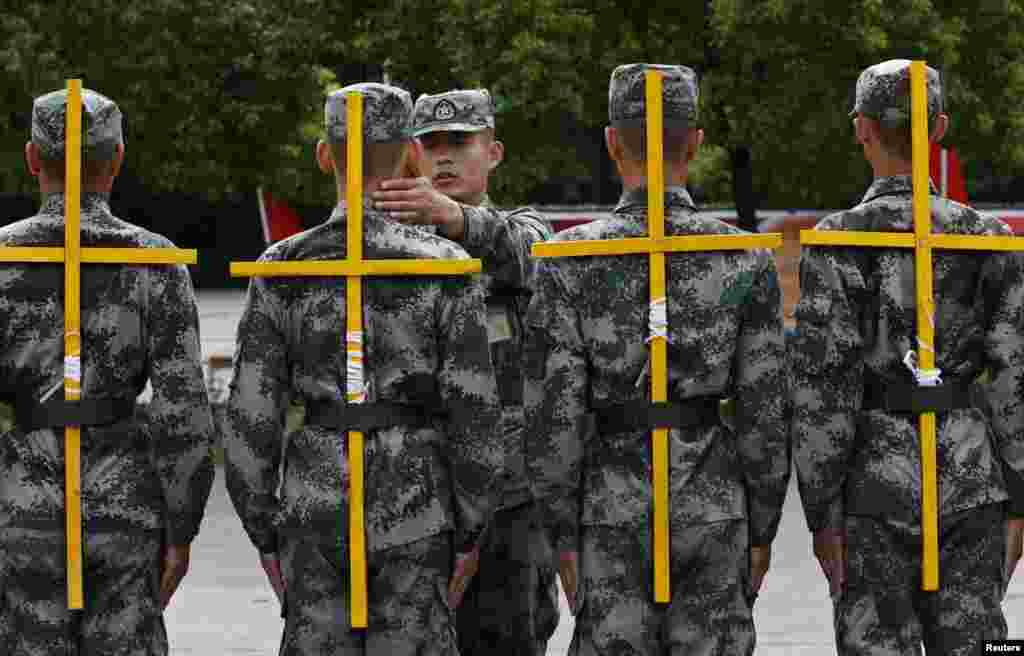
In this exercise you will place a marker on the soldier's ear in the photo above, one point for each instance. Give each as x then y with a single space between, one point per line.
941 126
611 140
696 140
32 159
496 153
862 130
323 157
117 161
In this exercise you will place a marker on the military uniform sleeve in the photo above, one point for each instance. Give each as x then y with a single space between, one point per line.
469 390
555 404
180 418
254 426
503 240
1003 291
827 375
761 398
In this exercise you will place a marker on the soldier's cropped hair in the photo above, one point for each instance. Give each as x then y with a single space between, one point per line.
675 141
380 160
897 141
93 170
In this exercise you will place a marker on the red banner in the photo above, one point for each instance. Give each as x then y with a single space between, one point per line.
278 219
946 174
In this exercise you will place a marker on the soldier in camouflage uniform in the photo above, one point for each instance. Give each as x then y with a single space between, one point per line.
143 487
589 416
856 444
512 604
428 477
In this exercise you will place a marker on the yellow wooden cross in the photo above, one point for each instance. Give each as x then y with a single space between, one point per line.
656 244
923 242
354 268
73 255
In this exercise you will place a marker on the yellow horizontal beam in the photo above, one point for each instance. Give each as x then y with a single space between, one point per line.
38 254
849 238
359 268
976 243
646 245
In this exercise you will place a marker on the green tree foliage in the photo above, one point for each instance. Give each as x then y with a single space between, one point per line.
788 69
221 96
213 92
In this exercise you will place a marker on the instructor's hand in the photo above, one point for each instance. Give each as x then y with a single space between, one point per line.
416 201
172 571
569 572
760 561
830 549
272 568
466 565
1014 545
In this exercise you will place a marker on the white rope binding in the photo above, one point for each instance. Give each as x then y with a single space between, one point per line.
924 377
354 379
658 319
73 368
72 371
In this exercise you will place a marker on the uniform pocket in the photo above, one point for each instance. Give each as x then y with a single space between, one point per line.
811 345
535 351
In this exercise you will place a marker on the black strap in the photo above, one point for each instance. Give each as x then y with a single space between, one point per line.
903 397
363 417
641 415
510 385
56 412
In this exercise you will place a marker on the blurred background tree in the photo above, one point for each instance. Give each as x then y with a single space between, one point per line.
222 97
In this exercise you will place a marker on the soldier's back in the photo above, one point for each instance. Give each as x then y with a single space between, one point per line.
968 291
131 320
708 297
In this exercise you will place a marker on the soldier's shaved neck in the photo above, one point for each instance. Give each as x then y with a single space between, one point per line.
627 147
97 174
889 148
380 162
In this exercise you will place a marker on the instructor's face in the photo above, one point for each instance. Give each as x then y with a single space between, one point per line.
458 163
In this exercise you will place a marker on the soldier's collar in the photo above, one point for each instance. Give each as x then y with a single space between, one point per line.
340 211
485 201
894 185
90 202
634 199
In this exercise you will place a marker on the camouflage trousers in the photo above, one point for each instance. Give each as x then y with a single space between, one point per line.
884 612
408 610
511 606
710 608
121 615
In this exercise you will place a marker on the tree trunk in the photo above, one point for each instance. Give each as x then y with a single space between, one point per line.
743 188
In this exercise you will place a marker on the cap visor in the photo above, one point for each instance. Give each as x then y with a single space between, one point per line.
448 127
665 122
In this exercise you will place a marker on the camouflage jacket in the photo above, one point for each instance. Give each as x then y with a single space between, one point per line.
502 241
857 314
588 323
419 482
138 323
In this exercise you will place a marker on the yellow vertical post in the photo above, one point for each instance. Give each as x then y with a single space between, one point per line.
354 350
925 313
72 255
72 341
659 347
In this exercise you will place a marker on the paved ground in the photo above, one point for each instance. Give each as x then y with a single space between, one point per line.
225 607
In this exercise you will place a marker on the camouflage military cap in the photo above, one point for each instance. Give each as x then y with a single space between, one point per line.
386 113
101 125
883 93
627 94
463 110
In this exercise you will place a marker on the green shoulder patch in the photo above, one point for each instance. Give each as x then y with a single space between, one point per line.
738 289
